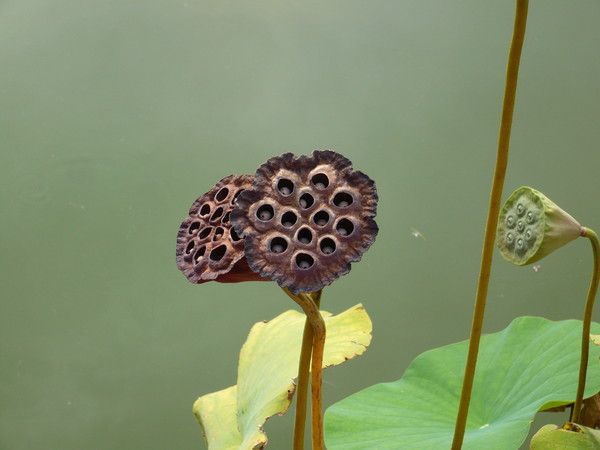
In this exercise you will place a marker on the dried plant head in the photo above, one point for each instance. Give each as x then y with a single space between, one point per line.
306 219
531 226
208 248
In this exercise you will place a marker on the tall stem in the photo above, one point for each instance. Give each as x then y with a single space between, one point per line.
303 379
318 327
587 321
510 89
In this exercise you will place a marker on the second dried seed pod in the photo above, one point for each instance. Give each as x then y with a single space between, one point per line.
208 248
306 219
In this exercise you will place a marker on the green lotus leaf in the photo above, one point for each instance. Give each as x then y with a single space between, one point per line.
551 437
233 418
531 365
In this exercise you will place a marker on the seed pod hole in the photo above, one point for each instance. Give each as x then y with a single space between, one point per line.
510 239
199 253
288 219
304 261
342 200
218 233
205 210
345 227
529 235
520 209
194 227
226 217
320 181
306 200
520 225
285 187
234 236
222 194
218 213
305 236
189 247
278 245
236 195
265 213
321 218
205 232
327 246
530 217
510 221
217 253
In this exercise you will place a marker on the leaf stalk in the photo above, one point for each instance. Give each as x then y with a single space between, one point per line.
587 321
510 88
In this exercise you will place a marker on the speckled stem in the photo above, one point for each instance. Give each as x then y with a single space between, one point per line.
512 72
587 321
318 345
303 379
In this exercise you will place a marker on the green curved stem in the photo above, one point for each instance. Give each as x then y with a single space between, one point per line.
587 321
313 315
512 72
303 379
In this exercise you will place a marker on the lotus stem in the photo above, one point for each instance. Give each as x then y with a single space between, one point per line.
510 88
314 317
587 321
303 379
302 387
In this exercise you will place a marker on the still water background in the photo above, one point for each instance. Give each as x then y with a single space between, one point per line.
115 115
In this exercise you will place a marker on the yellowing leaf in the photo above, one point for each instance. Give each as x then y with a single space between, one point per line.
216 413
268 364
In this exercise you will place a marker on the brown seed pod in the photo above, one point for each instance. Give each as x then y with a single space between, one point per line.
207 247
306 219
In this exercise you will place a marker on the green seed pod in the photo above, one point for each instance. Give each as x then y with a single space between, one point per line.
531 226
576 437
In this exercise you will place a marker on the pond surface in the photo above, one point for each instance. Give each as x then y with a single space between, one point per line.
116 115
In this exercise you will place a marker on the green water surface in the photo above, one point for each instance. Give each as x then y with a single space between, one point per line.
116 114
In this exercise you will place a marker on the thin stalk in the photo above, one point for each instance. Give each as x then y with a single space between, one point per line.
303 378
318 326
510 88
587 321
316 382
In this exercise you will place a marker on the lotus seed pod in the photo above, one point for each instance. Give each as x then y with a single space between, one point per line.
306 219
208 248
577 437
531 226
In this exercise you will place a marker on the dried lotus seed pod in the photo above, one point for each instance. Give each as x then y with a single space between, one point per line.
306 219
208 248
531 226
